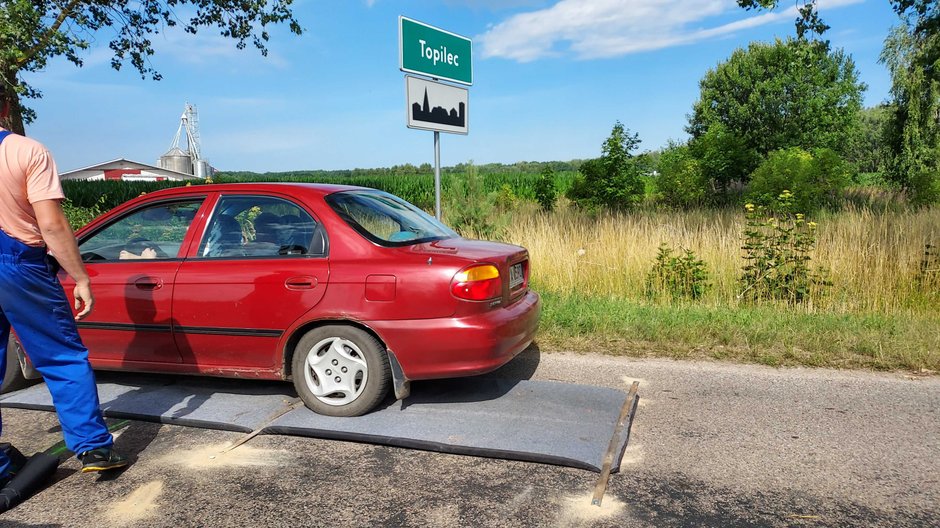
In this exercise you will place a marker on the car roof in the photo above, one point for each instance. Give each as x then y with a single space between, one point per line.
319 189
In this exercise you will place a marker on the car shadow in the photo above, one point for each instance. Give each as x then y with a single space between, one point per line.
484 387
143 311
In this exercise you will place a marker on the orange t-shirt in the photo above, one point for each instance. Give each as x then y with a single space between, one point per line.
27 175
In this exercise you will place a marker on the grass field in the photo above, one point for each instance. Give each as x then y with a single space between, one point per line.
882 312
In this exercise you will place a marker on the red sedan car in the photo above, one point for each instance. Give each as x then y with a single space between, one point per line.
347 291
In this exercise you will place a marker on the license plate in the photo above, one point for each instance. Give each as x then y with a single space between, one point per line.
516 276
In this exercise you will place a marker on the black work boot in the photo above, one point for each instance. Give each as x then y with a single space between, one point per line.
101 459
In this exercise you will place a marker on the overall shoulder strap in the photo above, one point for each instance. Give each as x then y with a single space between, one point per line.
4 134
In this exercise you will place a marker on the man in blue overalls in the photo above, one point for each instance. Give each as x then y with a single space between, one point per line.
33 301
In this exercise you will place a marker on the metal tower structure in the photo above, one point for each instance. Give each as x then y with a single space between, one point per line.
189 125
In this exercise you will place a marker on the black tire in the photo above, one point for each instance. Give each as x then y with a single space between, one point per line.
13 378
355 362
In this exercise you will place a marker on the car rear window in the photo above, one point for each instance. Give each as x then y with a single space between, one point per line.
386 219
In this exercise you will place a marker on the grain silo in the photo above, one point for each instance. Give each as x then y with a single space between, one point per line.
177 160
190 160
202 169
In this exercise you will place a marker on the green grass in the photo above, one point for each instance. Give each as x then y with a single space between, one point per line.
767 335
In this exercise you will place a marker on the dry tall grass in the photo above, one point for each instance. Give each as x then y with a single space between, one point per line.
873 257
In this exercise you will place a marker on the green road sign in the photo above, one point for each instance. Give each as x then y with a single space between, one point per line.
427 50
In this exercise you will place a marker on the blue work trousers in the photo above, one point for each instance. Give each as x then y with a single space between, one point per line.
33 301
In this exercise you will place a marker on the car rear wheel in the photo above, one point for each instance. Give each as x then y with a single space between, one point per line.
340 371
13 378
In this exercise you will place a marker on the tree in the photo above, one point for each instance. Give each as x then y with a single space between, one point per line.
34 31
613 180
725 159
867 150
789 93
912 136
807 22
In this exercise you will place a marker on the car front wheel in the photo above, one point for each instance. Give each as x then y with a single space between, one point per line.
340 371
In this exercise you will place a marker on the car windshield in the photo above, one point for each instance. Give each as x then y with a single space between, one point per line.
386 219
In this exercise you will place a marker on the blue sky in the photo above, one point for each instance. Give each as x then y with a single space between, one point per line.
550 79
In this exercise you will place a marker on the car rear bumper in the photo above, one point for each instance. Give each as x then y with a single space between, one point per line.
463 346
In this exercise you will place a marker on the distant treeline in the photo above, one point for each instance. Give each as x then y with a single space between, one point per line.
520 167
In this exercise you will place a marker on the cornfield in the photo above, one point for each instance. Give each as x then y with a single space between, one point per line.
417 189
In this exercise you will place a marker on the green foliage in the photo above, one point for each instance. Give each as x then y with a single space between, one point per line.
109 194
867 150
789 93
725 159
79 216
808 20
614 180
813 179
33 32
777 246
676 277
546 192
417 189
681 181
471 211
912 136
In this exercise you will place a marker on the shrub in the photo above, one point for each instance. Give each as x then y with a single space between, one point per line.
777 246
676 277
613 180
79 216
681 181
546 191
470 210
812 179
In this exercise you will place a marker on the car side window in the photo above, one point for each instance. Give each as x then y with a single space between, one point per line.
153 232
261 226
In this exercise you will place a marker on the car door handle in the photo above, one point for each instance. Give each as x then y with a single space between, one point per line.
301 283
148 283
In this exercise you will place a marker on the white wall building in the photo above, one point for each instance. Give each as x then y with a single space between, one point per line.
124 170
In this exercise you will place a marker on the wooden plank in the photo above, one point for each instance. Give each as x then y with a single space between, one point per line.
626 412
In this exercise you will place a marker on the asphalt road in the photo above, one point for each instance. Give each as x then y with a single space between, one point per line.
712 445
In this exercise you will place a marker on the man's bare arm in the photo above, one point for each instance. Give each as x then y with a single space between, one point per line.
57 233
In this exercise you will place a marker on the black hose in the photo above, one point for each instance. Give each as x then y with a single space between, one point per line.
29 479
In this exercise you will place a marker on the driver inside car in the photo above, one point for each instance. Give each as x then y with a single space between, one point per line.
138 248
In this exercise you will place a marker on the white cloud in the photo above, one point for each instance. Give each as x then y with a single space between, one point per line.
210 48
591 29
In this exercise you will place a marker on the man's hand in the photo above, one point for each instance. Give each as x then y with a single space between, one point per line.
58 236
84 300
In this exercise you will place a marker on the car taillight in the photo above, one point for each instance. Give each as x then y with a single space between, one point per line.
477 283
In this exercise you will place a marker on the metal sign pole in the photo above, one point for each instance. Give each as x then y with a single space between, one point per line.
437 174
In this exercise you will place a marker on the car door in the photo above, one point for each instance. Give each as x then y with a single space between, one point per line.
132 263
260 264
